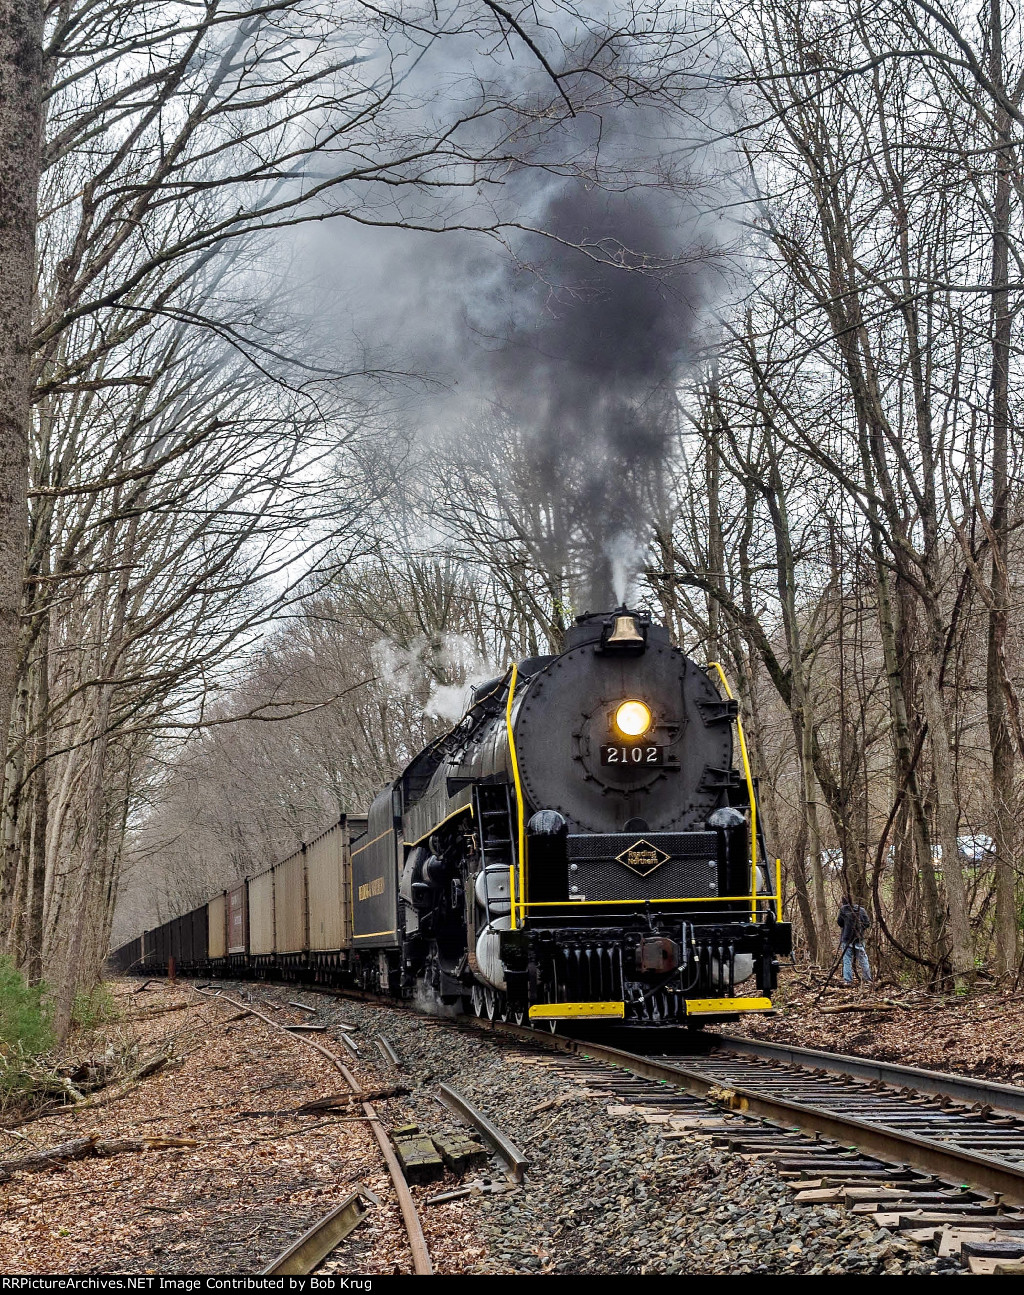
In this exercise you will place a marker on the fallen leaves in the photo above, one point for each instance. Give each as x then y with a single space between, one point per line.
981 1035
94 1188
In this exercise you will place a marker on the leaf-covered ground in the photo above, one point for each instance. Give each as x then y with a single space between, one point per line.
252 1175
980 1035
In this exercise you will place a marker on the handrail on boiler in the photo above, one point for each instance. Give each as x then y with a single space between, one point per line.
516 893
750 790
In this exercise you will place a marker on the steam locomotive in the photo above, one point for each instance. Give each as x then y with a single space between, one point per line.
578 846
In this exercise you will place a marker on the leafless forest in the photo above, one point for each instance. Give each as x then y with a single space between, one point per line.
288 453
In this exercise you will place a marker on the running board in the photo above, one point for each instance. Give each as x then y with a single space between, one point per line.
575 1011
717 1006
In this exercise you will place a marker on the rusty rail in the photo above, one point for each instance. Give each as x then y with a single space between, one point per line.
886 1141
506 1150
414 1230
388 1051
305 1255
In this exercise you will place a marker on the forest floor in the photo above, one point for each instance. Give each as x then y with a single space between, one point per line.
980 1035
203 1166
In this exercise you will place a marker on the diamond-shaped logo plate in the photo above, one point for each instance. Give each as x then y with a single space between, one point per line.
642 857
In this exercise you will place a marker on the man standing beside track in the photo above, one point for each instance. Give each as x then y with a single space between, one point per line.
855 923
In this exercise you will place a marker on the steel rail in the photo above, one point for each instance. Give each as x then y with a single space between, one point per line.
1005 1097
880 1140
313 1247
388 1051
507 1150
348 1043
414 1230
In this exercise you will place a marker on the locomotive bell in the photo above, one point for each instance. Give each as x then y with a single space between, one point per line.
625 635
625 631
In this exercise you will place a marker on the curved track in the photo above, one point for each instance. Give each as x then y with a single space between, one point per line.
943 1171
917 1149
960 1129
961 1088
884 1115
414 1231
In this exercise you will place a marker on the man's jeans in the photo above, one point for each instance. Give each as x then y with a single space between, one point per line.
863 970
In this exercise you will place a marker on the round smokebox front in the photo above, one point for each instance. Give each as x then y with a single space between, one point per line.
606 740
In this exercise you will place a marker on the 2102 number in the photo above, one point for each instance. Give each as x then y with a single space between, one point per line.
633 755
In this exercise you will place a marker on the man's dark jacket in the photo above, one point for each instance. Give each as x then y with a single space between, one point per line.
854 921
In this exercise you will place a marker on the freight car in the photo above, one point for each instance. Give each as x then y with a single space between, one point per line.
579 845
128 957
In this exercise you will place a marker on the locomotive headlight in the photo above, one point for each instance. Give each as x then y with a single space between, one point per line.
633 718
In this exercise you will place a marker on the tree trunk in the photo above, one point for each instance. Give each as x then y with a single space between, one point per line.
88 891
40 812
803 898
21 82
961 949
716 546
808 795
12 812
1000 744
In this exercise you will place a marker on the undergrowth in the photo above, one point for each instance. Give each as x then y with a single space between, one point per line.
34 1072
93 1007
26 1028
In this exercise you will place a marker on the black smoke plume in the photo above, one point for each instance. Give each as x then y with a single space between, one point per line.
576 319
603 312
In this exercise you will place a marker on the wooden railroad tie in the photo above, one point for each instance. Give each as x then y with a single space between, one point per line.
425 1157
419 1159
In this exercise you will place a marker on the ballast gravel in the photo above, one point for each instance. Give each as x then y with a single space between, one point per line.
606 1193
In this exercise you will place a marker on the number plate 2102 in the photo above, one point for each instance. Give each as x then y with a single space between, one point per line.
633 755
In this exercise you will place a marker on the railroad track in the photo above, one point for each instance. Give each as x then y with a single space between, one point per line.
939 1123
963 1088
305 1254
937 1158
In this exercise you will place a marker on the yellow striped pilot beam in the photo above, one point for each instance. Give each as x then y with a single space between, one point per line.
715 1006
575 1011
